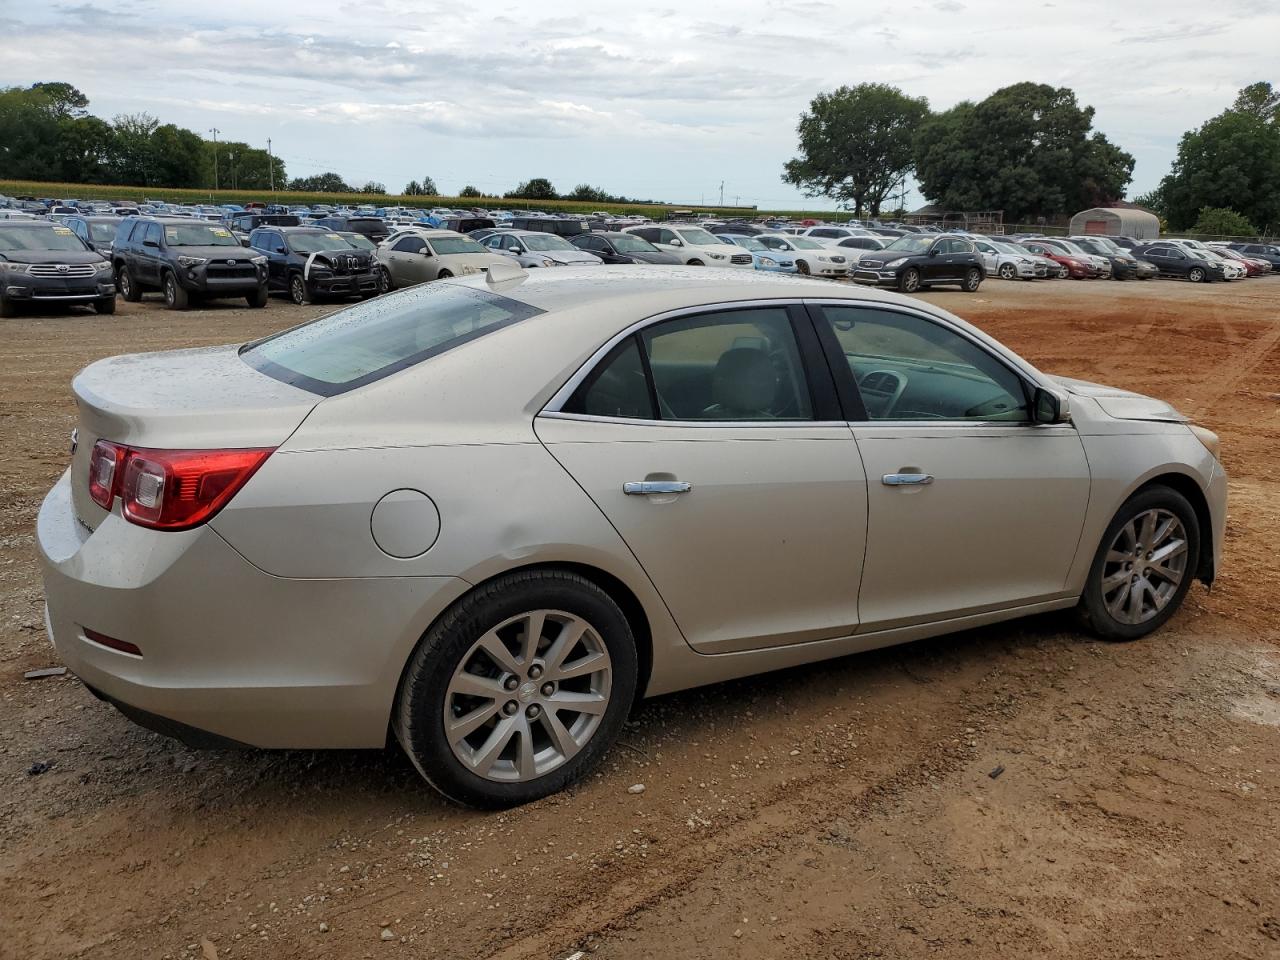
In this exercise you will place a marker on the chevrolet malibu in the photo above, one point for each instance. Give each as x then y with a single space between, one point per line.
483 516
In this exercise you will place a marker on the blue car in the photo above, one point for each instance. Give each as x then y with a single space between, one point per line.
775 261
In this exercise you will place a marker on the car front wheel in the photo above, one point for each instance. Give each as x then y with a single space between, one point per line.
910 281
175 297
1008 271
518 690
1196 275
384 280
127 286
1144 566
297 289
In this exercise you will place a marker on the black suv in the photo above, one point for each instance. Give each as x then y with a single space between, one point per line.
46 263
375 228
1269 252
1175 261
560 227
622 248
184 258
311 263
98 233
915 261
243 223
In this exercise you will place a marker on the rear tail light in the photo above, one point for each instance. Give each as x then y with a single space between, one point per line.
169 489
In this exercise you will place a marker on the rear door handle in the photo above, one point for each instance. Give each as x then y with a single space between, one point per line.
644 488
905 479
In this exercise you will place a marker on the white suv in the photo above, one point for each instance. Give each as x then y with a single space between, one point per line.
694 246
831 236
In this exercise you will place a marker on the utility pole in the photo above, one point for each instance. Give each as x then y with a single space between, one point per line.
232 157
215 131
722 193
271 166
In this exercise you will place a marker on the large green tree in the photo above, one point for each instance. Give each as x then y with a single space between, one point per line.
1026 149
1231 161
856 144
321 183
539 188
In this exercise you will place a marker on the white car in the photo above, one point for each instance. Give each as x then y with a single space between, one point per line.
855 248
694 246
1008 262
812 257
533 248
831 236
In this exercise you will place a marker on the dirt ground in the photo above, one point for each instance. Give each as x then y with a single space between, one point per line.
847 809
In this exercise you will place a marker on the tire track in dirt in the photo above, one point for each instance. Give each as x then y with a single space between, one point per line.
1239 369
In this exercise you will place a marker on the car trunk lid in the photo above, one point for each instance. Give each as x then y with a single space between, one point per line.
204 398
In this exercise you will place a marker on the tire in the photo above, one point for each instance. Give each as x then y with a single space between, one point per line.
1106 586
175 297
1008 271
297 289
1196 275
443 275
972 280
695 263
8 308
802 267
258 299
384 280
127 286
105 306
909 282
451 650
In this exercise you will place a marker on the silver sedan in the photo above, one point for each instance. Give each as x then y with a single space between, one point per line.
489 514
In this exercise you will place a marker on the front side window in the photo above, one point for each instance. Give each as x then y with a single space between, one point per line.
372 340
910 368
409 245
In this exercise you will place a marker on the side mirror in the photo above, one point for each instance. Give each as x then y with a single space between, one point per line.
933 252
677 243
151 243
281 250
1047 407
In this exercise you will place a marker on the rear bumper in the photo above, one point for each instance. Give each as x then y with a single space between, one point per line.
228 652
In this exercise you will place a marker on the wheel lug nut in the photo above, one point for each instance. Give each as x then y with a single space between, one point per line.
533 711
511 683
548 688
535 671
510 708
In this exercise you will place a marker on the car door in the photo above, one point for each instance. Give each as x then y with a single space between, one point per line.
148 255
713 443
939 264
405 261
271 244
990 257
971 507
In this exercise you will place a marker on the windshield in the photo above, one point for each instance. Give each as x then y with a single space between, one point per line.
372 340
447 245
103 231
1107 246
198 235
697 237
910 244
315 242
17 238
1071 248
804 243
1009 248
546 241
749 243
359 241
626 243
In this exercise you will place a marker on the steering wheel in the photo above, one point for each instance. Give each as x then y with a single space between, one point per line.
890 397
999 404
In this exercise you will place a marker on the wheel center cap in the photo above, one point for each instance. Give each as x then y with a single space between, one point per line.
528 690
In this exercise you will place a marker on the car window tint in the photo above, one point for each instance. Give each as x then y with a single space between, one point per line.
730 365
409 245
616 388
910 368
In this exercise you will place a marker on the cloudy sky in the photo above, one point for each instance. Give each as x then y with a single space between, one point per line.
661 100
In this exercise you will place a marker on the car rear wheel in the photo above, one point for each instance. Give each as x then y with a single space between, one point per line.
1196 275
127 286
1008 271
1144 565
175 297
695 263
910 281
105 305
972 280
518 690
443 275
297 289
802 267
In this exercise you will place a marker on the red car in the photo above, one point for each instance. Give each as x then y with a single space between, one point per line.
1253 268
1076 268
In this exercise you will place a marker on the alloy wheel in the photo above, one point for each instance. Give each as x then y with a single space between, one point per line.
170 290
911 281
298 290
1144 566
1007 271
528 696
124 283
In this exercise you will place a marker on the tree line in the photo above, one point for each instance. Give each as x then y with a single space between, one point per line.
1030 150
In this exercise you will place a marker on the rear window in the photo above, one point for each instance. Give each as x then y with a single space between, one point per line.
375 339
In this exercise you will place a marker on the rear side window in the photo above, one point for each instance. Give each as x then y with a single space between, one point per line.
617 387
372 340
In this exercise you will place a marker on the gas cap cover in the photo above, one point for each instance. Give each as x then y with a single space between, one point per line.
405 524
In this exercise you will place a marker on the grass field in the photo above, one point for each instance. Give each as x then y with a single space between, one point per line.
19 188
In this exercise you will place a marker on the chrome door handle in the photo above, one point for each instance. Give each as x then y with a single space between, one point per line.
644 488
905 479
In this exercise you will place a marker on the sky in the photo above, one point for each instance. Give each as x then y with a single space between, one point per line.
661 100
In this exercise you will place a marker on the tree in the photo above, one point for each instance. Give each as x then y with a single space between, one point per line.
470 191
86 150
374 186
429 187
539 188
132 161
412 189
1223 222
1231 161
28 136
176 157
62 99
321 183
1026 149
856 144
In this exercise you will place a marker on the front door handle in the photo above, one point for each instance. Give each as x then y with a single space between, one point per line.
645 488
905 479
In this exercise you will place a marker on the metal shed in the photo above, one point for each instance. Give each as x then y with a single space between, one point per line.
1117 222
